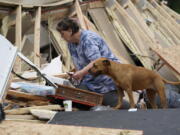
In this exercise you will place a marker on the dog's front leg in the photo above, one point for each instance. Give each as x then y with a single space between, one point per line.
120 94
131 99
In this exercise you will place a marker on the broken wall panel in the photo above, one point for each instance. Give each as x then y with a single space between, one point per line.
171 32
109 33
136 16
145 24
175 26
131 34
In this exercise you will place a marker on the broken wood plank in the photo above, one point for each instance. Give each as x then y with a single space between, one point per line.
37 37
27 109
19 128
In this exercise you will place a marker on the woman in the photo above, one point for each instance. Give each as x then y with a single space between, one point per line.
85 47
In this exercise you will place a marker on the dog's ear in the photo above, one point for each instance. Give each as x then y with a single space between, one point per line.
106 62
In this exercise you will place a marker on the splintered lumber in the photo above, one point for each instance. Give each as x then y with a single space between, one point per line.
20 128
43 114
37 37
25 95
27 109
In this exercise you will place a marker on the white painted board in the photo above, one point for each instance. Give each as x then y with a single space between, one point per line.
8 55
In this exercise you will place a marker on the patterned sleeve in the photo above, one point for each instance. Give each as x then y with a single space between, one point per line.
91 49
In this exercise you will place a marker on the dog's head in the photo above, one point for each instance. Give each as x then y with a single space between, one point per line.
100 66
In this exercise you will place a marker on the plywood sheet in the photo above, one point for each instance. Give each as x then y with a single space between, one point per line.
24 128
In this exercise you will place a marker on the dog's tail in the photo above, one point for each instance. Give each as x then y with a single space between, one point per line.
170 82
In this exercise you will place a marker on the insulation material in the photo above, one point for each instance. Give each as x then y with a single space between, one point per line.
53 68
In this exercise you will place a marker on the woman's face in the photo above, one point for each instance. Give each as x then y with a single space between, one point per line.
66 35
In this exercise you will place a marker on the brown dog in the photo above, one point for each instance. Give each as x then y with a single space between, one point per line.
131 78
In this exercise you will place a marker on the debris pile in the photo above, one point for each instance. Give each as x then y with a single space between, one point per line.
144 33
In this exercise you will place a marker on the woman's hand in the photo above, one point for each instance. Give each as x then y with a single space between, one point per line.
78 75
81 73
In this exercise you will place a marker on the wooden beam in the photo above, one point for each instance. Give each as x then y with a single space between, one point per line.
18 35
37 37
80 15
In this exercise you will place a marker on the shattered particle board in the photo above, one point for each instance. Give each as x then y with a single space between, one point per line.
8 128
